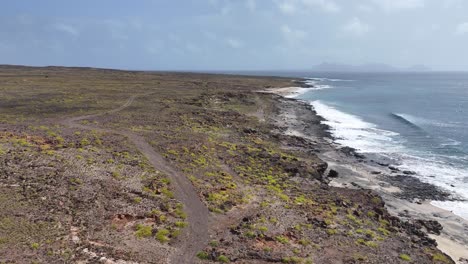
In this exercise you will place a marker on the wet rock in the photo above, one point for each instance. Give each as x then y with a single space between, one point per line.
352 152
382 164
407 172
412 188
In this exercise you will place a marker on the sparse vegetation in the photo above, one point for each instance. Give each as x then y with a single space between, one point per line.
223 259
207 128
405 257
143 231
203 255
162 234
440 257
282 239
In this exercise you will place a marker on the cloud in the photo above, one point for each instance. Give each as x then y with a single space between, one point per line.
118 29
251 5
287 7
452 3
462 29
356 27
326 5
234 43
65 28
365 8
210 35
226 10
192 48
293 34
293 6
390 5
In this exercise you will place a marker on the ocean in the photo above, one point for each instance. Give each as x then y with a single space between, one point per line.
418 120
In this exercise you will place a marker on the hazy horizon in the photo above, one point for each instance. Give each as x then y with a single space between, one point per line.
226 35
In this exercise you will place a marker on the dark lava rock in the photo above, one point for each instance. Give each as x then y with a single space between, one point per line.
418 236
412 188
291 169
382 164
320 167
352 152
432 226
250 131
333 174
317 222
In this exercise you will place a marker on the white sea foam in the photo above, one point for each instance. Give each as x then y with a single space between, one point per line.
350 130
459 208
300 90
451 142
297 92
316 86
438 172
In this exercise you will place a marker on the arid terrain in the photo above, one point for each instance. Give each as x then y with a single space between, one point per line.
107 166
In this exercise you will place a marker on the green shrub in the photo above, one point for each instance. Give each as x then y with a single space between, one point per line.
304 242
440 257
214 243
143 231
282 239
166 192
181 224
405 257
161 235
250 234
223 259
383 231
84 142
291 260
371 244
180 213
175 233
354 219
203 255
35 246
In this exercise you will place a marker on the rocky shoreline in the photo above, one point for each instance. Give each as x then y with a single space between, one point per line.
405 195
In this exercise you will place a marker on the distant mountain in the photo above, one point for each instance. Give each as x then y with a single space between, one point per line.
419 68
373 67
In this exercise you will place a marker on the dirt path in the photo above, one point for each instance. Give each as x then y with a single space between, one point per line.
196 236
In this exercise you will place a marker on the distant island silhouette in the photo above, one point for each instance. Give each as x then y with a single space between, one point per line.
371 67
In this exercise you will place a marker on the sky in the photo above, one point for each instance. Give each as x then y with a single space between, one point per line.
234 34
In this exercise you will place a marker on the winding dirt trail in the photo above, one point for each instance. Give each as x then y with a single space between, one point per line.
196 236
